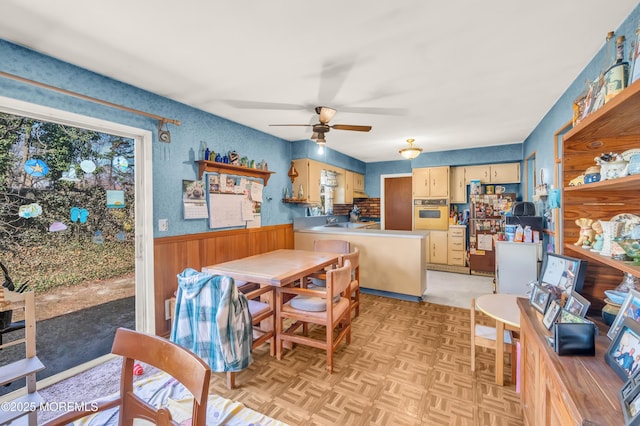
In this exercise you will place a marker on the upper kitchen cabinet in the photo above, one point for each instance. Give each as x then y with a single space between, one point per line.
358 182
430 182
458 191
309 172
344 192
505 173
493 173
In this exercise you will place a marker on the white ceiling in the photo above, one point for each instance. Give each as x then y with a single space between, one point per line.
450 74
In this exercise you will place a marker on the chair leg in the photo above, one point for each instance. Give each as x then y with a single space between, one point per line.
278 321
231 379
330 347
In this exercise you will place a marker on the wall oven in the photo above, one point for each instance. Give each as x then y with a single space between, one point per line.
431 214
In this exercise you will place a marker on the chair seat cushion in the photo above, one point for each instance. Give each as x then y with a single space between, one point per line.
490 333
309 303
338 308
256 308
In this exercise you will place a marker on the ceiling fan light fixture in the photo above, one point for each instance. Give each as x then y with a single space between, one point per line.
321 142
411 152
326 114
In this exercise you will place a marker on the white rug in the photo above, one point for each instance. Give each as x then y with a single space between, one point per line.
451 289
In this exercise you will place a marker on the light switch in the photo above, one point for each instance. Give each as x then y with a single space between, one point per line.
163 225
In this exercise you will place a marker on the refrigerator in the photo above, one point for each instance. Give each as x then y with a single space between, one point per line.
517 264
485 222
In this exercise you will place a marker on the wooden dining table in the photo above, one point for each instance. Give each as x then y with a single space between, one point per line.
277 268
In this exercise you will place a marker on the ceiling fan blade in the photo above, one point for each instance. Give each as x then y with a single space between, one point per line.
351 127
326 114
263 105
303 125
375 110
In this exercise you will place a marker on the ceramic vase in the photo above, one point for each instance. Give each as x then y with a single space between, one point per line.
610 230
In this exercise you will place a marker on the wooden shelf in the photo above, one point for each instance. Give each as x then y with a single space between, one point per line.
624 266
617 118
215 167
626 183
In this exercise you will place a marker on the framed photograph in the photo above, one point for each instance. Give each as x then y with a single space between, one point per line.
630 401
577 305
551 314
567 316
623 354
630 308
540 298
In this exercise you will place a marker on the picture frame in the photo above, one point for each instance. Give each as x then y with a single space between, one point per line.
629 395
623 353
540 298
568 316
551 314
577 304
629 308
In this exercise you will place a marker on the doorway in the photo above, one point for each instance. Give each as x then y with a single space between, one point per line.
397 208
142 235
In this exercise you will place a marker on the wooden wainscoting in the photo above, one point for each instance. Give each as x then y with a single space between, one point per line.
173 254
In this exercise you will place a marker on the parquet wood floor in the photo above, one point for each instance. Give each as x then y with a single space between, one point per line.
408 364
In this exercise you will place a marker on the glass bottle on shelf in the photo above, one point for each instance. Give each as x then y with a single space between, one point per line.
617 76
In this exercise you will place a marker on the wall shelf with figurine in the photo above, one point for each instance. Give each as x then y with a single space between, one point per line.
216 167
613 129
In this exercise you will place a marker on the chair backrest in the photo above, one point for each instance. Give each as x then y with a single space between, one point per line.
331 246
180 363
354 258
339 279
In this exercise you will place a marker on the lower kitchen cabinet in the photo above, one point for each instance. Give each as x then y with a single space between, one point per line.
438 247
564 390
457 245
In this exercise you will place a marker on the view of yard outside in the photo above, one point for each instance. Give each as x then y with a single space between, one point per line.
66 204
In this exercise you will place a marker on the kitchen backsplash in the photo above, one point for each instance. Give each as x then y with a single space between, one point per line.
369 207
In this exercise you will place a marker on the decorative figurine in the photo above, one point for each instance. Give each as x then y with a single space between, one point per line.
587 233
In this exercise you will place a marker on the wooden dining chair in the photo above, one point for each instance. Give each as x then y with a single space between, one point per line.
261 306
318 278
180 363
316 307
485 336
354 258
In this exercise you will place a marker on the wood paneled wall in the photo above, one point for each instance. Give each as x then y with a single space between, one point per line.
174 254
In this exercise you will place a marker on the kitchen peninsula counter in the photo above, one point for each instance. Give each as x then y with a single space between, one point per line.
392 262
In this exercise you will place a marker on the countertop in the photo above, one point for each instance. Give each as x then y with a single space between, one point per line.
363 231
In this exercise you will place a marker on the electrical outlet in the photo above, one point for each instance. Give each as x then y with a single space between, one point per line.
163 225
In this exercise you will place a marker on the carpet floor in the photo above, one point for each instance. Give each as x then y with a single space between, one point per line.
408 364
72 339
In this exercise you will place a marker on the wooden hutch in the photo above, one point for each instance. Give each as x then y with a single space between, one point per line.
613 128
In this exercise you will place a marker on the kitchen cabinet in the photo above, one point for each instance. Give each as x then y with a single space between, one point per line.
493 173
505 173
438 247
358 182
458 190
309 177
430 182
457 245
564 390
615 127
344 192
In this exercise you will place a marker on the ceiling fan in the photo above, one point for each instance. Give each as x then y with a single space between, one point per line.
319 129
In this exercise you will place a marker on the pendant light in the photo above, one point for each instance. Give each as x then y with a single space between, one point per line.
411 152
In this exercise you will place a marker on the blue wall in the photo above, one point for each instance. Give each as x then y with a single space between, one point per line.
541 139
174 162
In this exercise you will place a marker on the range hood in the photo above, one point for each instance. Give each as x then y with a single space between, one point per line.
358 194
